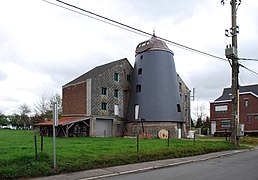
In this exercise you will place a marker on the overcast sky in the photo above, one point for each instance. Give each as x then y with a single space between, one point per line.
43 47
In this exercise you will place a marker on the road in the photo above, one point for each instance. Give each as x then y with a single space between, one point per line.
241 166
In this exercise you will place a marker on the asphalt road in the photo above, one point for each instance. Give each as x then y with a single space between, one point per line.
241 166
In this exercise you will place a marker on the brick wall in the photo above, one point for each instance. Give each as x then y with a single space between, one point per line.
74 99
244 111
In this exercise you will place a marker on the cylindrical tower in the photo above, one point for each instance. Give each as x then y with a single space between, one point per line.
155 90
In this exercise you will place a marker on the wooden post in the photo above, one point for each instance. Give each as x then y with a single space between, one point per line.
194 138
35 143
168 137
42 144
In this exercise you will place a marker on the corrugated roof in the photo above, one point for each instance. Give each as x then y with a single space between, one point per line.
62 121
94 72
242 89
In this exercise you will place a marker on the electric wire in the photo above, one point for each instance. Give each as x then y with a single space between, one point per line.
255 73
93 17
130 28
247 59
143 33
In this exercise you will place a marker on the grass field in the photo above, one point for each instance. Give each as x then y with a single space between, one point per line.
17 152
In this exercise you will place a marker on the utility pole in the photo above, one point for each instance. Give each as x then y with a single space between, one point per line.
231 53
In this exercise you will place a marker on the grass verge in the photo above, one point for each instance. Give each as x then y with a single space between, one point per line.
17 151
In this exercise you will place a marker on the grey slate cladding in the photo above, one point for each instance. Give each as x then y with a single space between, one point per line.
226 95
94 72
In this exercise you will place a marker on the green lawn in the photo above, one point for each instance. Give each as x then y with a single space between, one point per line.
17 152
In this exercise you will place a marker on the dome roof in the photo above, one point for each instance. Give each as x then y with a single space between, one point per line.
152 44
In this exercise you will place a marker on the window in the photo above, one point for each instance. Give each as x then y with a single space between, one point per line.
116 93
104 91
136 111
116 77
128 78
186 113
138 88
178 108
180 87
225 124
186 98
103 106
256 117
248 119
140 71
246 103
141 56
221 109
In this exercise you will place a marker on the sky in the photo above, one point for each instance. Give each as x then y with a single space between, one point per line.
43 46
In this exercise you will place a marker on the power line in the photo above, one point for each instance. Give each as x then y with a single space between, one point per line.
92 17
247 59
130 28
255 73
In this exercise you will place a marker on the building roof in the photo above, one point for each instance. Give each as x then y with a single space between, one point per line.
62 121
226 95
95 71
152 44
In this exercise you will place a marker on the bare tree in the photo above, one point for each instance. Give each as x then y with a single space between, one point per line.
42 106
199 112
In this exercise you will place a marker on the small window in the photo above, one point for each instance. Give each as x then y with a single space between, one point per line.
116 93
256 117
248 119
178 108
246 103
186 98
104 106
104 91
180 87
225 124
138 88
141 57
116 77
140 71
128 78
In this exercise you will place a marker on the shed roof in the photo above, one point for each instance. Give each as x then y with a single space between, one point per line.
226 95
62 121
95 71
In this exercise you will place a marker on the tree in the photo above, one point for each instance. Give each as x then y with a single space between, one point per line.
3 120
44 108
24 111
41 106
199 112
203 121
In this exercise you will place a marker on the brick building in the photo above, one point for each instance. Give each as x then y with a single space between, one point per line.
221 110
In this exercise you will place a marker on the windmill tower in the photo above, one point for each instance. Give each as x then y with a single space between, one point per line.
155 99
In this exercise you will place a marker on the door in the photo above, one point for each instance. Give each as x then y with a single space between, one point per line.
213 127
104 127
